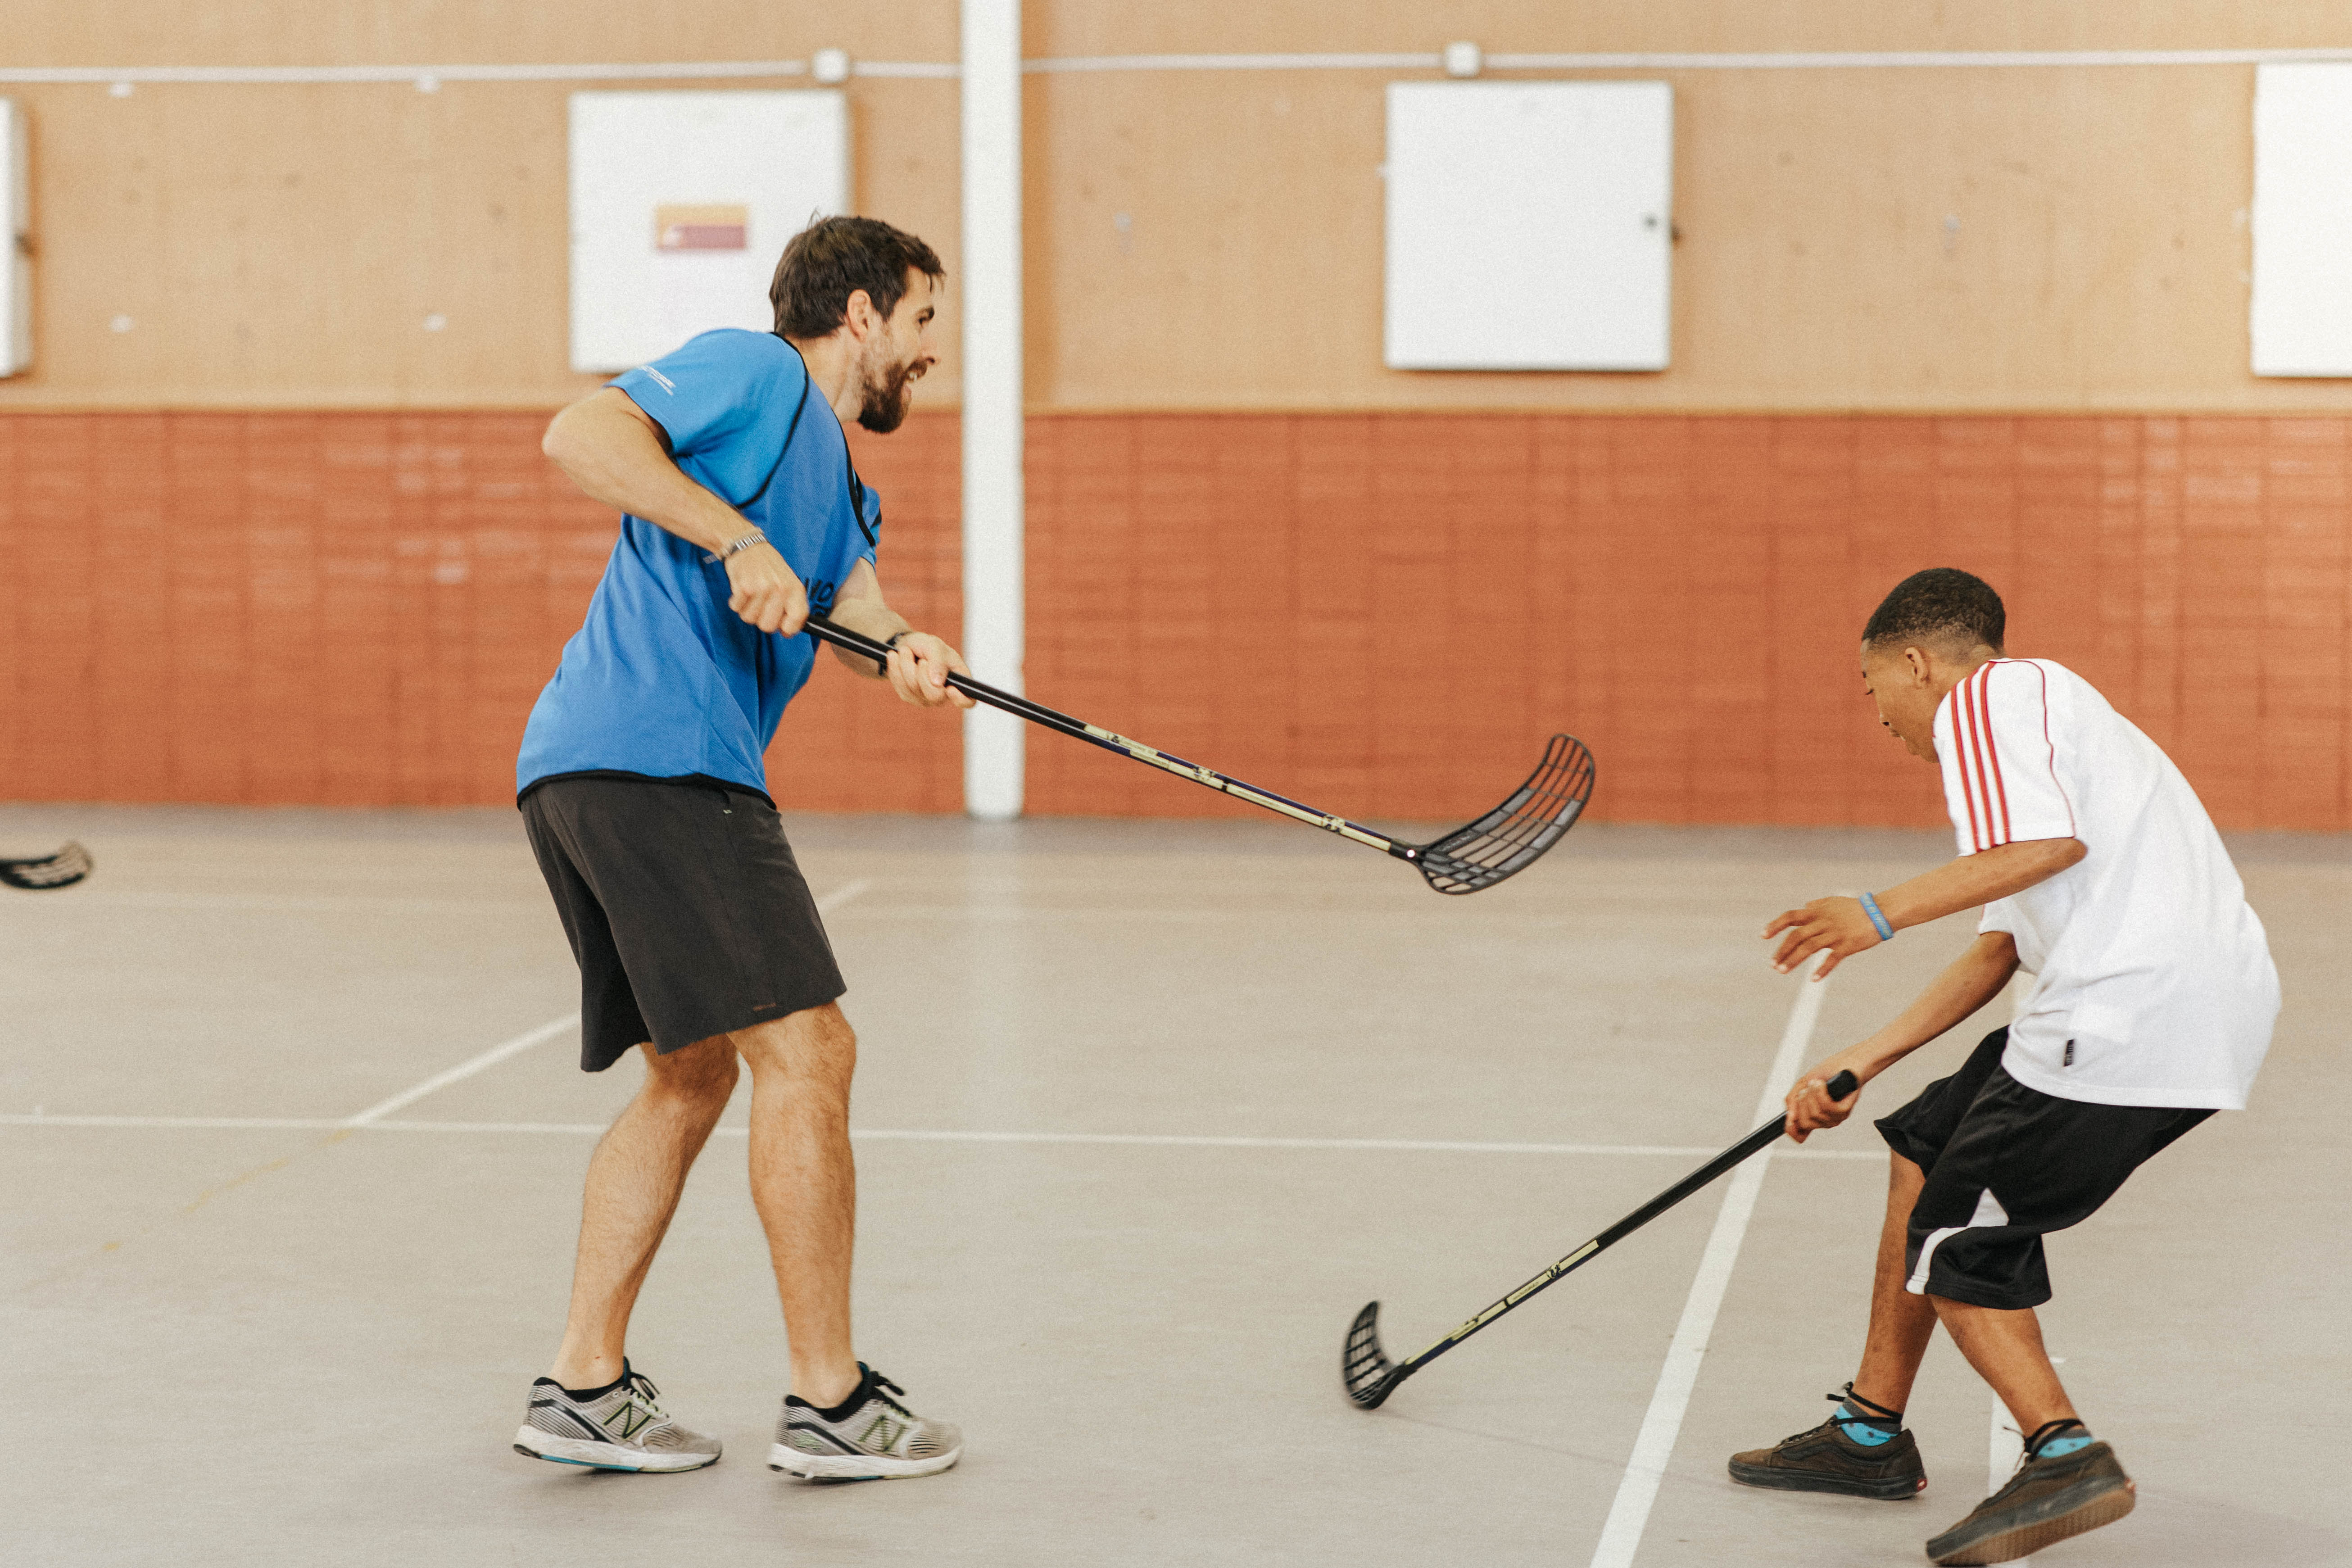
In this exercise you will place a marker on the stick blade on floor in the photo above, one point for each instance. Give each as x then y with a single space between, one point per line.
47 872
1363 1365
1371 1377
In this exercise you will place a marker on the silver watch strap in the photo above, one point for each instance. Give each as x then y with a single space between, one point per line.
737 546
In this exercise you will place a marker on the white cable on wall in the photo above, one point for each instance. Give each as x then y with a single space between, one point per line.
656 71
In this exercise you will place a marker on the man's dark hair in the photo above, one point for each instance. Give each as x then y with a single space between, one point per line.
832 259
1941 604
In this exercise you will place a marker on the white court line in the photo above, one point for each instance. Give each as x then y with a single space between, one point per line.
1629 1514
843 894
2002 1451
366 902
465 1069
205 1124
2005 1448
934 1135
526 1040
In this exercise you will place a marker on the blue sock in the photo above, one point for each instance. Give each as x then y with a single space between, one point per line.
2079 1438
1864 1428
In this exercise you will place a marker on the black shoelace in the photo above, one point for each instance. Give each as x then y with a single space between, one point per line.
882 1388
641 1389
1880 1413
2049 1431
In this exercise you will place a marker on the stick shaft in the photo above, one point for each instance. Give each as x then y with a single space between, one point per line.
1839 1087
1094 734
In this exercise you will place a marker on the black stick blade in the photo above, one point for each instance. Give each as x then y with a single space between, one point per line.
1364 1367
62 869
1508 838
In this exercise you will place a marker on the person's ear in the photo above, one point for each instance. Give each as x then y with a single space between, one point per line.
1916 658
858 313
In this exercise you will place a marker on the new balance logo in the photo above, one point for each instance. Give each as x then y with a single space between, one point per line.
881 1436
631 1420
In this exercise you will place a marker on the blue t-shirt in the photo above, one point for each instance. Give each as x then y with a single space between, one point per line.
663 679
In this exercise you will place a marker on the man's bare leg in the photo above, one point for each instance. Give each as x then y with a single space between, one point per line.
634 1181
805 1187
1900 1323
2005 1348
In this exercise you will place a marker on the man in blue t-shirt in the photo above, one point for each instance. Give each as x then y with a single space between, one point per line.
642 785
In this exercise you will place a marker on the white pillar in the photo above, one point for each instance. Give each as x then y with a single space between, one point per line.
992 565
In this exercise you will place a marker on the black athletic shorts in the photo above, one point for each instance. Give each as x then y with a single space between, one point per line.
685 908
2006 1165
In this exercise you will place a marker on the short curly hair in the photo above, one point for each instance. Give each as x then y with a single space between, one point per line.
1941 604
832 259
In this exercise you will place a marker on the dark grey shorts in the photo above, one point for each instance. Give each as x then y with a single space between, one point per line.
2006 1165
685 908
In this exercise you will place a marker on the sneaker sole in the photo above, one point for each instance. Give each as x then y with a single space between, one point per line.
1902 1488
791 1461
2024 1540
533 1444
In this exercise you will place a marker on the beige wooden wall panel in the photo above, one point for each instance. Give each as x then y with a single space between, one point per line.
1740 26
475 31
281 246
2099 262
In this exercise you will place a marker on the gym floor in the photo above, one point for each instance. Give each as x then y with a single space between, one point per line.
1147 1110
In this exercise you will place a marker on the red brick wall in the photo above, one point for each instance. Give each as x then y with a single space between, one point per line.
1384 615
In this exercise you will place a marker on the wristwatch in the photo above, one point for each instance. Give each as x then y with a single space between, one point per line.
737 547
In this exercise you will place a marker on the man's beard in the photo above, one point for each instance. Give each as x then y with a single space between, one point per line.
887 398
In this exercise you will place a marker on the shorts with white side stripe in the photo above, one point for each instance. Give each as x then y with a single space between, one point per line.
2006 1165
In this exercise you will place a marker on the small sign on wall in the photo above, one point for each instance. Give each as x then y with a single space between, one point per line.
681 202
702 228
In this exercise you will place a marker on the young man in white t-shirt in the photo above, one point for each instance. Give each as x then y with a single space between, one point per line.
2151 1007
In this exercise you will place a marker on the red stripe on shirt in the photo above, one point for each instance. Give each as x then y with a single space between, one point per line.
1959 702
1978 744
1992 752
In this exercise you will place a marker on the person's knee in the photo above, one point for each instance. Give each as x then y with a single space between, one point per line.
816 1048
1904 1181
698 1077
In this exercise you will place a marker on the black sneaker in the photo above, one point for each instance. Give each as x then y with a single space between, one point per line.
1824 1460
2046 1502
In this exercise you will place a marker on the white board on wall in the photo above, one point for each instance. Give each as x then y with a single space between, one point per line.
2302 309
16 243
1529 225
681 202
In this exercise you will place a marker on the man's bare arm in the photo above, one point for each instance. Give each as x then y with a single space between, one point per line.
1843 927
608 447
1971 981
919 665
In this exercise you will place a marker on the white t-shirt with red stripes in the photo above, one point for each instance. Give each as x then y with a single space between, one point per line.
2153 981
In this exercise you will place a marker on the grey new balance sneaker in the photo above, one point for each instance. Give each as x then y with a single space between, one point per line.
869 1436
621 1428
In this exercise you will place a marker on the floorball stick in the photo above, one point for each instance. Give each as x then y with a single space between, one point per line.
1475 856
62 869
1371 1377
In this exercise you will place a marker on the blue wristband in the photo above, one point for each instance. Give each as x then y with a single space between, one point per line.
1870 907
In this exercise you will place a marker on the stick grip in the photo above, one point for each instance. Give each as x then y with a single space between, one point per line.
1845 1083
